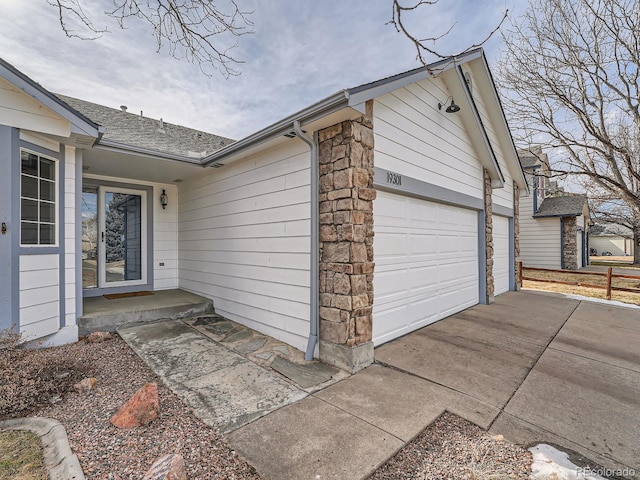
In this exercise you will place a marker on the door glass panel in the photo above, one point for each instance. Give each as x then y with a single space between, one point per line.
89 237
47 234
123 237
47 190
47 212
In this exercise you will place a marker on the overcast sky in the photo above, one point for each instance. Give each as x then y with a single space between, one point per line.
301 51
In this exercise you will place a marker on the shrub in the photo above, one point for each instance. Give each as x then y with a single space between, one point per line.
33 376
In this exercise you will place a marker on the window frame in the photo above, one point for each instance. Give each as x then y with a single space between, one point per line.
55 202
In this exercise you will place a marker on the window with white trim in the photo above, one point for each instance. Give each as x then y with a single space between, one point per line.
38 216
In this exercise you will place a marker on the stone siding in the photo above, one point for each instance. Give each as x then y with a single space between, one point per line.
516 234
346 242
488 227
569 243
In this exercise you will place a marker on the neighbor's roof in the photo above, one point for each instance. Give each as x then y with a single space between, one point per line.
563 206
124 129
529 161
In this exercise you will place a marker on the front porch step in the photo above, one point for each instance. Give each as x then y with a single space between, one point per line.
101 314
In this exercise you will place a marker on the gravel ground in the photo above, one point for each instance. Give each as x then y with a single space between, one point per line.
452 448
106 452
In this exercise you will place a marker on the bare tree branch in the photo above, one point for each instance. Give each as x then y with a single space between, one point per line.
427 45
196 30
571 81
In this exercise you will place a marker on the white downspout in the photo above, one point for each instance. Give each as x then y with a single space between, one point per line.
314 243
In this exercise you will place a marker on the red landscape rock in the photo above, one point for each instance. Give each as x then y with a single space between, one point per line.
140 409
167 467
86 385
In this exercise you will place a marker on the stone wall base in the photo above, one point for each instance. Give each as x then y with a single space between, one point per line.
351 359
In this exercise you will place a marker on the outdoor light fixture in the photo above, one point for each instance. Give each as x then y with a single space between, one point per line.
164 199
453 108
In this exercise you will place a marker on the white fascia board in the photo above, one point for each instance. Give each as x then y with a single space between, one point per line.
360 95
122 148
490 92
325 107
79 124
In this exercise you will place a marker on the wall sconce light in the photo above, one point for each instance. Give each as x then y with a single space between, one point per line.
453 108
164 200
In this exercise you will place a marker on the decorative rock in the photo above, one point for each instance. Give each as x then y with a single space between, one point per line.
167 467
86 385
99 337
140 409
498 438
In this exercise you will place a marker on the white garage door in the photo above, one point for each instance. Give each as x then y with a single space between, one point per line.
501 268
426 257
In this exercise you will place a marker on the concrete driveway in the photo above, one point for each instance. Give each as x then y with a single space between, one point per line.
532 366
557 370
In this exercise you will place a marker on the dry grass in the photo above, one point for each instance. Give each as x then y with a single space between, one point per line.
626 297
33 376
625 262
21 456
453 448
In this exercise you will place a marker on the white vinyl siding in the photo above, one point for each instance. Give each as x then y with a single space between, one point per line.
413 138
501 267
426 257
20 110
70 236
39 295
244 241
165 238
540 238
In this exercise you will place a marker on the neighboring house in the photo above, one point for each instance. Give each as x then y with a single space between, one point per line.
277 228
554 226
610 238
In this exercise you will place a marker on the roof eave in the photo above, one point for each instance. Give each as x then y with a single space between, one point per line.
79 123
490 160
120 147
522 183
331 104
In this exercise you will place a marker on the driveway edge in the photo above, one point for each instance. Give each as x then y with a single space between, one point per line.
61 463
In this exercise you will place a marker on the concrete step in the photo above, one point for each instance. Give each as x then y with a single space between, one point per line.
101 314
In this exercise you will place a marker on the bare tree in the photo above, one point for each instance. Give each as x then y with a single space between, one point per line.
190 29
571 82
427 46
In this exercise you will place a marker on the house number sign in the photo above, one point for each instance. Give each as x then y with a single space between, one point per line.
394 179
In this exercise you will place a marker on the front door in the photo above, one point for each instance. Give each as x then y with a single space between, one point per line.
122 233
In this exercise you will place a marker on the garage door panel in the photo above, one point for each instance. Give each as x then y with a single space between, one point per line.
426 257
501 268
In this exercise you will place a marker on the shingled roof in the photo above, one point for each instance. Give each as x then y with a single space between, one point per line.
130 130
563 206
529 161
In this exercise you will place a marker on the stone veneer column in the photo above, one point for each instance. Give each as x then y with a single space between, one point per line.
569 243
516 233
488 230
346 242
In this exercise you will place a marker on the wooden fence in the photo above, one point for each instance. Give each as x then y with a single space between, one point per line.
608 287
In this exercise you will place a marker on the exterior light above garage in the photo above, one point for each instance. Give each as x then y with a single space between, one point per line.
452 108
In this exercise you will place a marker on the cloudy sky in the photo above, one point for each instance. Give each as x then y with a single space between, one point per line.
300 52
